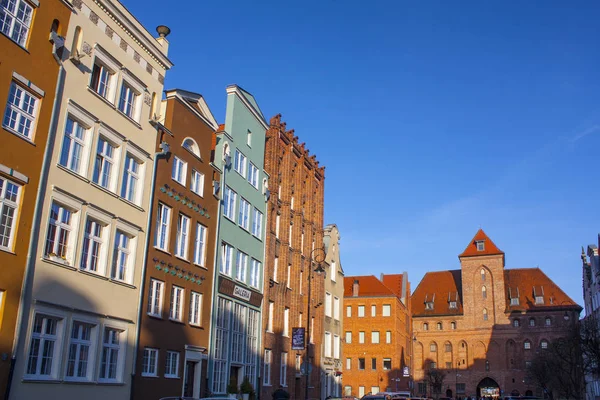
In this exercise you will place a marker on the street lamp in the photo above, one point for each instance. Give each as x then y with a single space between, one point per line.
318 256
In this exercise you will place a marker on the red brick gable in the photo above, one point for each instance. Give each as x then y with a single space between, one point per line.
441 287
394 283
367 286
490 247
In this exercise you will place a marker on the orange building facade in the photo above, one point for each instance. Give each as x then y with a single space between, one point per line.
377 335
482 324
30 61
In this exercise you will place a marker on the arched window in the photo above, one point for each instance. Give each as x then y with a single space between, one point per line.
527 345
77 40
433 346
485 314
439 326
544 344
516 323
190 145
55 27
548 321
531 321
425 326
483 292
453 325
482 274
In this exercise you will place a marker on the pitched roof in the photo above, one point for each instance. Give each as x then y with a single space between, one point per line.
489 247
394 283
522 282
441 287
368 286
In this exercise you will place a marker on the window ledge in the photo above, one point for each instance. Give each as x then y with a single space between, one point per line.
94 274
172 377
127 117
35 379
74 381
109 383
17 134
105 190
177 321
179 183
71 172
103 99
132 204
196 326
6 250
60 264
200 266
162 250
121 283
150 376
183 259
154 316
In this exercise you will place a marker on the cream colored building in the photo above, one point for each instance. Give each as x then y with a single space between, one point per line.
78 329
331 359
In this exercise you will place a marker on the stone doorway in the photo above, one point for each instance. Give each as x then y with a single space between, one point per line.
449 393
488 387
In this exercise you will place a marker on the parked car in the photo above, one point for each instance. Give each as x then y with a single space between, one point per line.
192 398
377 397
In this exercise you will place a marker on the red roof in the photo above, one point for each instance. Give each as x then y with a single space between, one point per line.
489 247
441 287
370 286
394 282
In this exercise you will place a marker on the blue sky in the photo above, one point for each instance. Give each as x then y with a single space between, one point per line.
433 118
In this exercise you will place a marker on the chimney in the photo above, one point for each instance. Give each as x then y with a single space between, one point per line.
355 288
404 287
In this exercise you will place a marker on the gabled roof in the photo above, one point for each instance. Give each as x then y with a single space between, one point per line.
196 102
490 247
368 286
394 282
441 287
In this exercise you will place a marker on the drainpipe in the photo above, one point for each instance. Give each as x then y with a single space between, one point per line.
164 146
35 223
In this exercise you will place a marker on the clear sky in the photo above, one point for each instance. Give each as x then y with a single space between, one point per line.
433 118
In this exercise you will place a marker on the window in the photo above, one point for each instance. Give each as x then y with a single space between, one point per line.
516 323
190 145
361 311
539 299
200 245
131 177
482 273
544 344
257 219
290 235
332 269
102 80
255 273
195 308
375 337
277 218
163 219
361 337
177 296
480 245
433 347
514 301
527 345
432 365
448 347
361 391
361 363
531 321
312 329
387 364
181 241
448 365
178 172
348 363
240 163
286 322
347 391
197 184
453 305
150 362
229 203
267 368
270 321
348 337
155 296
79 351
172 365
336 308
92 247
374 365
226 259
128 100
439 326
253 175
283 372
9 210
289 276
21 108
386 310
425 326
328 304
485 314
348 311
16 20
548 321
58 238
374 389
111 359
73 148
422 387
527 364
483 292
453 325
429 305
43 348
244 216
276 269
105 154
327 344
388 337
373 310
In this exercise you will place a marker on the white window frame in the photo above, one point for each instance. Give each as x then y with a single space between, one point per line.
73 142
387 313
388 337
375 337
288 277
155 298
390 366
286 322
332 268
197 183
361 337
150 366
106 62
20 114
74 207
336 308
255 273
226 266
129 99
229 200
270 316
252 174
9 203
17 29
348 311
244 214
196 304
267 367
172 362
327 344
241 266
129 252
182 240
95 220
132 179
283 371
361 311
239 162
257 220
277 220
336 347
119 347
200 245
42 337
348 338
106 164
179 170
163 227
79 343
276 269
176 304
328 304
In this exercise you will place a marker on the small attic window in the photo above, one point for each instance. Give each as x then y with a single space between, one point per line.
480 245
538 293
453 305
190 145
429 305
513 295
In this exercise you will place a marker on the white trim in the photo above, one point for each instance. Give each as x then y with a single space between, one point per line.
65 199
28 83
111 134
80 114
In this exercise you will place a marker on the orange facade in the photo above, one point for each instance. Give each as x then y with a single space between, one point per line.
377 337
30 61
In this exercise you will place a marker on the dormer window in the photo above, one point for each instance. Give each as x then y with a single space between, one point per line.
480 245
538 294
429 305
453 300
453 305
513 296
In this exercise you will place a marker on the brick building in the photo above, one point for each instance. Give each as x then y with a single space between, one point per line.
483 323
377 334
591 299
294 237
29 75
176 308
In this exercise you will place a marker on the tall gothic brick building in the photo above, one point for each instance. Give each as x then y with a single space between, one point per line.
482 323
294 243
